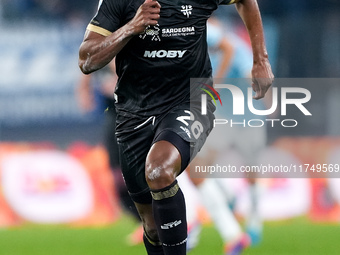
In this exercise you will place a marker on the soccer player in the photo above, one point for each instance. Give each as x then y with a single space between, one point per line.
159 46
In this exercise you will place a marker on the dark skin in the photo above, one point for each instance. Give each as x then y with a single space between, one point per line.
96 51
163 161
262 75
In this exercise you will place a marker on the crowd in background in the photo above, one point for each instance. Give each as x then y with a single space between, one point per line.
52 10
21 10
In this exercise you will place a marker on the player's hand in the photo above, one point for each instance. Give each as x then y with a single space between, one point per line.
147 14
262 78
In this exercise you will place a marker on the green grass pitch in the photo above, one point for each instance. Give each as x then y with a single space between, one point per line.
293 237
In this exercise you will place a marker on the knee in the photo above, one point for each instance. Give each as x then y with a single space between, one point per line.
159 176
163 163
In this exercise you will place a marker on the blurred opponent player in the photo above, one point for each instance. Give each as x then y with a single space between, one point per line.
153 97
230 58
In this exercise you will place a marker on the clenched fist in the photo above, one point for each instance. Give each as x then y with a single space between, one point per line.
147 14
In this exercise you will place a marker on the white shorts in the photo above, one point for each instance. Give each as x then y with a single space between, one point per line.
247 141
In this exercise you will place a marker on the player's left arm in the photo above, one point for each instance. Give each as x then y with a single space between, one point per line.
227 50
262 75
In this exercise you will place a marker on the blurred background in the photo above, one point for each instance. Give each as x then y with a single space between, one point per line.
55 176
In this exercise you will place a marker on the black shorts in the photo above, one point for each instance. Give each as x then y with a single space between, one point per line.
183 126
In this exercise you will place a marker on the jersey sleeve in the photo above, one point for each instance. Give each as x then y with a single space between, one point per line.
226 2
108 17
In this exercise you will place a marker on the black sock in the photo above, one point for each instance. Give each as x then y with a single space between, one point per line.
152 248
169 212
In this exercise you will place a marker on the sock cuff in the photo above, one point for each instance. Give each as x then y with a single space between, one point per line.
166 192
176 244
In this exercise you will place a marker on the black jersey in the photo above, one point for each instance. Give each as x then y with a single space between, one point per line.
155 67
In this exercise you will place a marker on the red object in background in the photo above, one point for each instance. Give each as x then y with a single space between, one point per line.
106 209
315 150
94 160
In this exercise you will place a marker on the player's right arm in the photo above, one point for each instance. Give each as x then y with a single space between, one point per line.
98 50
